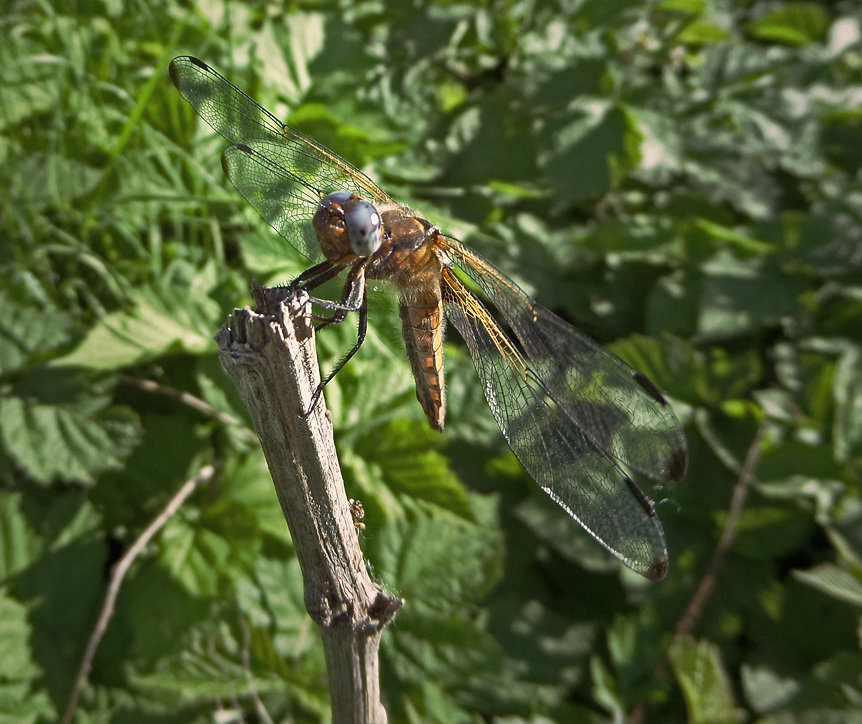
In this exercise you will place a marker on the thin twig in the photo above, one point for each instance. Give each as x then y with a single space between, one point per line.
245 657
737 502
196 403
707 583
117 576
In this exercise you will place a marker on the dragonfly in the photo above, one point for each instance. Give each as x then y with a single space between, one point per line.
577 417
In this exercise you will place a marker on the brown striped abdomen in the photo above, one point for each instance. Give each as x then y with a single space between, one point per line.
422 327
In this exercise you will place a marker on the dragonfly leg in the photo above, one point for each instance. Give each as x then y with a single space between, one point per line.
318 275
315 276
355 298
352 299
309 279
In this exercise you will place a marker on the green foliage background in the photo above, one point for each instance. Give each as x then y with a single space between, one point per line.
679 178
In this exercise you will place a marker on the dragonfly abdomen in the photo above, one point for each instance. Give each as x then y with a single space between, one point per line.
422 327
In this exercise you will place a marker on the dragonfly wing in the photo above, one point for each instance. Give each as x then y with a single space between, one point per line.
565 463
617 408
283 199
283 173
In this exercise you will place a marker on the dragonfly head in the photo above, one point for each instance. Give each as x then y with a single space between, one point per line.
343 211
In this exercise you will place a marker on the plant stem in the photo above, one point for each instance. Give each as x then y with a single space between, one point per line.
270 356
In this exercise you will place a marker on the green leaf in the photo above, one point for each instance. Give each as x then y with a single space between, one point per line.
702 32
740 297
276 598
28 89
14 637
765 689
839 677
269 258
842 131
833 581
20 705
556 530
209 666
158 323
285 54
480 131
463 664
218 392
29 330
765 531
604 688
207 554
58 424
417 556
732 238
49 179
169 453
403 451
598 139
669 362
248 482
704 683
847 386
21 545
63 589
693 7
794 24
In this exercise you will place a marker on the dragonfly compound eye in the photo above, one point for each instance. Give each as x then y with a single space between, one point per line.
337 197
364 228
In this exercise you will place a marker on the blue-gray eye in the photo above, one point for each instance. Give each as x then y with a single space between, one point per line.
337 197
364 228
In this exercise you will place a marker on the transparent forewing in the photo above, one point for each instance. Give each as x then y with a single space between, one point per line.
616 408
565 463
280 171
284 201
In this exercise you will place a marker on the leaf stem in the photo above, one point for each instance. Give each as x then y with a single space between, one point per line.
722 548
118 574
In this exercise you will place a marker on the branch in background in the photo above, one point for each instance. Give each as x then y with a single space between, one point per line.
722 548
117 576
196 403
270 356
707 582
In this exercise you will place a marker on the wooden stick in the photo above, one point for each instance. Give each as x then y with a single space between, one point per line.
270 356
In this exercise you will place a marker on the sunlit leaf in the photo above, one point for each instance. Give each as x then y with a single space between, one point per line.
14 633
765 689
833 581
418 557
409 465
848 405
704 682
701 31
797 23
207 553
154 325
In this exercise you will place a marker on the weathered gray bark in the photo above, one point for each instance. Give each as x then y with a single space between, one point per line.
270 356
